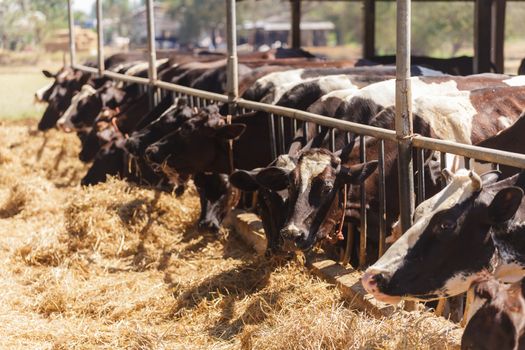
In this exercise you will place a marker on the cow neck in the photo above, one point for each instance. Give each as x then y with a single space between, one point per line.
230 147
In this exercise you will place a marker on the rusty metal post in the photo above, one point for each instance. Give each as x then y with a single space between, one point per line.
152 55
369 32
296 23
100 39
404 129
403 120
71 23
231 40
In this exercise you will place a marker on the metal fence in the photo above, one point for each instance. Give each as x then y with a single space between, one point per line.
403 135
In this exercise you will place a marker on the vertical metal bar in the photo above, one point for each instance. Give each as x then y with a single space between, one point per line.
305 132
231 40
273 145
382 199
152 54
482 35
498 34
364 225
420 175
280 132
347 254
296 23
404 129
443 165
467 162
71 23
332 140
100 39
369 32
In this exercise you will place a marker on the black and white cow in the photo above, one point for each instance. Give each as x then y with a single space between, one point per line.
470 228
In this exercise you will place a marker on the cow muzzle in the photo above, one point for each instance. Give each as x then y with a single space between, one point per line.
372 282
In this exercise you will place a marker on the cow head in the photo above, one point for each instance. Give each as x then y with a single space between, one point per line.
271 205
199 145
449 245
168 122
314 192
217 198
496 318
88 103
67 83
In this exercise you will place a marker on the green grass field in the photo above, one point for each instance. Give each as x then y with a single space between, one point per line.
17 87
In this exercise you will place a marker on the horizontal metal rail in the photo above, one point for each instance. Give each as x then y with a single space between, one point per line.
465 150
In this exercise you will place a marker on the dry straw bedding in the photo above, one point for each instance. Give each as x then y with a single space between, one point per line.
116 266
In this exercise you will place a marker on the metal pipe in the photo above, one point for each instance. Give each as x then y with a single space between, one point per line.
71 23
273 143
152 54
382 199
420 175
231 40
280 133
100 39
479 153
403 120
363 234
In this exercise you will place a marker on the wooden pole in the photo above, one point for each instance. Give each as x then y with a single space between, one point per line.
498 34
482 35
369 33
296 24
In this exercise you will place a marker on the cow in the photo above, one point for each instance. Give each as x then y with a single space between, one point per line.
510 140
471 227
497 316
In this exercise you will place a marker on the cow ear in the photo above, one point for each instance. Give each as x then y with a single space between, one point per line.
356 174
505 204
490 177
244 180
48 74
231 131
273 178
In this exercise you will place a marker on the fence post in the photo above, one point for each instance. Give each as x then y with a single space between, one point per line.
71 23
296 23
404 128
231 40
152 54
100 39
369 31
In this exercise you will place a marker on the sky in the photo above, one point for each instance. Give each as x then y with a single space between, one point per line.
87 5
83 5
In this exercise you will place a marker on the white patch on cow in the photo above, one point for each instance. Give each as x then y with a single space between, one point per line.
342 94
384 92
65 120
450 117
455 285
311 166
518 80
284 161
39 94
503 123
335 83
457 191
137 68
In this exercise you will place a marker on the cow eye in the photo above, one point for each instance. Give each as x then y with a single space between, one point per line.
327 188
448 226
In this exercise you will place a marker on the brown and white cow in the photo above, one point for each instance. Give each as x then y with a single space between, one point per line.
472 227
496 317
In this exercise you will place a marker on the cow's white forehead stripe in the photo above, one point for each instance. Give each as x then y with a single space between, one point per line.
86 91
311 166
459 190
40 92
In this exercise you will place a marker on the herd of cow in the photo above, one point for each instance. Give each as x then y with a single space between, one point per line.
468 234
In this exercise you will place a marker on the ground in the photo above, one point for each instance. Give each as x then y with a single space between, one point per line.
117 266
